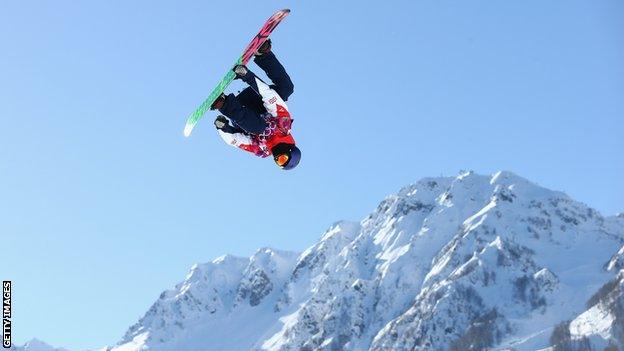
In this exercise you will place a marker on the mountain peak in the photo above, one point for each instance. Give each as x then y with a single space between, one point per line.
447 262
36 345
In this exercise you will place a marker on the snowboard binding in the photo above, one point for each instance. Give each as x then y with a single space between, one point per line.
265 48
219 102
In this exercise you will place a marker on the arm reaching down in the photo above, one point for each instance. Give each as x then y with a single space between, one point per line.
238 138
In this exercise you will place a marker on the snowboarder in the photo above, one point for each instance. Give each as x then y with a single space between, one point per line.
257 119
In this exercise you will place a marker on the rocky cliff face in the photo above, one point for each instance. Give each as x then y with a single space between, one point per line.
467 263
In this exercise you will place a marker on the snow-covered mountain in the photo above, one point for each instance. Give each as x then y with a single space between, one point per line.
601 326
472 262
36 345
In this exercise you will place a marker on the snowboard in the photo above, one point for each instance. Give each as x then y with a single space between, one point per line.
260 38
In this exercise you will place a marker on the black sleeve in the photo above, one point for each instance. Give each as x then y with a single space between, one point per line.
232 129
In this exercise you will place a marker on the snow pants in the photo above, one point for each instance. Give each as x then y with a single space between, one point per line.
246 109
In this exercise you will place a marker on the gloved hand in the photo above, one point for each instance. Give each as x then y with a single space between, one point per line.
240 71
221 122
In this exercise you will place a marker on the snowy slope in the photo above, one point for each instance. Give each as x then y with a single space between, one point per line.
465 263
601 326
216 304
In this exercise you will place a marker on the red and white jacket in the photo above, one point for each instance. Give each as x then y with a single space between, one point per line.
278 125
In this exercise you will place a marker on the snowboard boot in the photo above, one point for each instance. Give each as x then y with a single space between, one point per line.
218 103
265 48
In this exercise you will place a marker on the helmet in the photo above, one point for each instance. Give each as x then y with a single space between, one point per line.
286 156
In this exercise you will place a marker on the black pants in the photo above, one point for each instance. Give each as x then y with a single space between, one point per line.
246 108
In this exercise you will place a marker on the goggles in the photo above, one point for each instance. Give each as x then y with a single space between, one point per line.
282 160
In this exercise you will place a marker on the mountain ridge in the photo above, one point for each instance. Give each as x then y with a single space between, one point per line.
471 262
430 265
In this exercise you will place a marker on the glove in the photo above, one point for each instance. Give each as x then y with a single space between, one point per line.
221 122
240 70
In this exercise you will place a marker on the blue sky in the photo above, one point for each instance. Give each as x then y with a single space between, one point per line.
104 204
